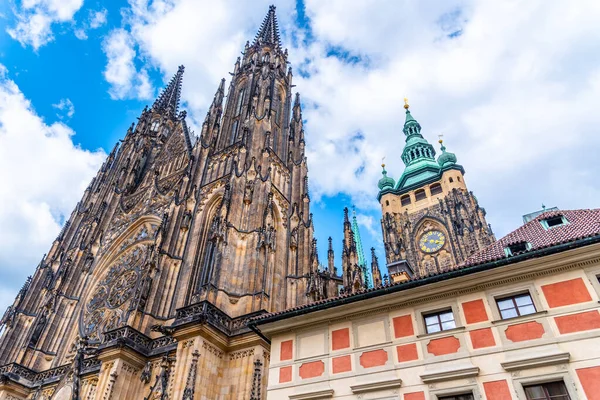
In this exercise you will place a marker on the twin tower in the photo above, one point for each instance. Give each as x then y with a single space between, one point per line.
178 242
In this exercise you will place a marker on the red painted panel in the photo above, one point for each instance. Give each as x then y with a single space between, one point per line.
590 380
482 338
442 346
566 292
285 374
474 311
407 352
312 369
341 364
497 390
340 339
373 358
414 396
403 326
526 331
584 321
287 349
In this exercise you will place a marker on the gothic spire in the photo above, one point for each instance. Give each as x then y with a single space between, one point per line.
375 269
168 100
269 31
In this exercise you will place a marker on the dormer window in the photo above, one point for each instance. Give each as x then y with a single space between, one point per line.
552 222
517 248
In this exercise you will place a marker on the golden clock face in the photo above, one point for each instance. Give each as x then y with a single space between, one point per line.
432 241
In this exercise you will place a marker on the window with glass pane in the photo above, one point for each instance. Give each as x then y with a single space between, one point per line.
515 306
468 396
441 321
547 391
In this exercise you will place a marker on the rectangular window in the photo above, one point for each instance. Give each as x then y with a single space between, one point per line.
440 321
466 396
420 195
547 391
405 200
515 306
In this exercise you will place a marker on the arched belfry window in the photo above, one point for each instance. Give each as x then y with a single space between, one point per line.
420 195
436 188
266 57
154 126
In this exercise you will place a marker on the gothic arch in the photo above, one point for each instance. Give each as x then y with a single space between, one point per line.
209 212
113 283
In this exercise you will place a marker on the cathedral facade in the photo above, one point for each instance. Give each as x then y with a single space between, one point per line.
175 245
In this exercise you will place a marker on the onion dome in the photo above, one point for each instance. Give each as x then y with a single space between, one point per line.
386 182
446 158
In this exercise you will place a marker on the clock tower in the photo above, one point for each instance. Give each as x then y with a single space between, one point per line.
430 220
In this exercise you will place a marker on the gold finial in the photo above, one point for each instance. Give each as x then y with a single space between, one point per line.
440 141
382 163
406 103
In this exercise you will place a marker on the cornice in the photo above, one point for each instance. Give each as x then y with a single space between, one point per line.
444 289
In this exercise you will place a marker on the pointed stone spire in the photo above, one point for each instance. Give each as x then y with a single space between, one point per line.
168 100
330 257
377 281
220 95
269 31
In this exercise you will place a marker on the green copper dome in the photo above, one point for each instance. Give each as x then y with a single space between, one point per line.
446 158
386 182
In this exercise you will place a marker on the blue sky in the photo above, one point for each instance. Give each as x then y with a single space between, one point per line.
514 88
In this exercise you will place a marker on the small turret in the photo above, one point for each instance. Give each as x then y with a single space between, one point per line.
385 182
446 158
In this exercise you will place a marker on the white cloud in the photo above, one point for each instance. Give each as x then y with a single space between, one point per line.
65 105
513 95
43 174
35 18
95 20
98 18
125 80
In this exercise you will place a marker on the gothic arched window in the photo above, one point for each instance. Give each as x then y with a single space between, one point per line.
154 126
234 129
240 102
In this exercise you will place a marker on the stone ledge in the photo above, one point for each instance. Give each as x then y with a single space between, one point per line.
450 374
315 395
536 361
372 386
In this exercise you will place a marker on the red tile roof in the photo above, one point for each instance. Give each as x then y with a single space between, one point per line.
581 224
